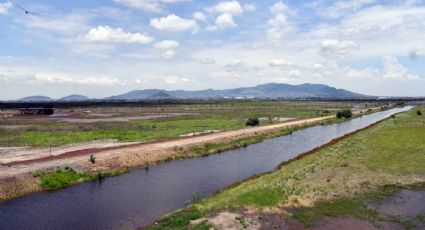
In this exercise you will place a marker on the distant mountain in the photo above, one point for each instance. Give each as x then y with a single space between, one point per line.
74 97
272 90
161 95
36 98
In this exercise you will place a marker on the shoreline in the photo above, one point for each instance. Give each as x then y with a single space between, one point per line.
22 181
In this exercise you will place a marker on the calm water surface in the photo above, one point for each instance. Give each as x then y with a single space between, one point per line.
140 197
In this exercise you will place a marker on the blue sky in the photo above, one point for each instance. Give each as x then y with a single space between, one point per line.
108 47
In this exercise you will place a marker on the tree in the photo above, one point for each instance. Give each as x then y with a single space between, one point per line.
344 114
253 121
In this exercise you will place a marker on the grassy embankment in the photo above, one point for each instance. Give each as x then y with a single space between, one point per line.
340 180
67 176
220 116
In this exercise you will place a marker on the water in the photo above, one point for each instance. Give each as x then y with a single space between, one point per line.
140 197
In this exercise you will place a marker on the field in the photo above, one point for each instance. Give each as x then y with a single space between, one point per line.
345 183
141 124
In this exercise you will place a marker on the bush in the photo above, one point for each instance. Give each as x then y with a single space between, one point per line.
344 114
92 159
253 121
419 113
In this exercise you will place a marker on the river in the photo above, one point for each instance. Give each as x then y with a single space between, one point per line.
142 196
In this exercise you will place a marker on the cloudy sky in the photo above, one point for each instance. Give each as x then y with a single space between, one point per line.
106 47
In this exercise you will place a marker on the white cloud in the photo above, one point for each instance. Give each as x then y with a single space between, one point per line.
4 7
148 5
225 21
169 54
175 80
235 63
207 61
41 78
227 7
335 48
278 26
249 7
414 54
60 78
63 23
343 7
106 34
394 70
173 23
199 16
278 8
167 44
280 63
295 73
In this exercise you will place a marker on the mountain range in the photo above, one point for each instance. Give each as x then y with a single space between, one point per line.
271 90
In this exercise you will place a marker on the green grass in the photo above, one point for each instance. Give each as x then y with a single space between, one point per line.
61 178
218 116
179 220
421 217
353 207
341 179
68 176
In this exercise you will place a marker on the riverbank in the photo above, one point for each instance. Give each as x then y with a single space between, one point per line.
340 180
21 179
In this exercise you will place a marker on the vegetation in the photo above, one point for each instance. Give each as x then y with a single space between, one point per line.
253 121
226 115
340 180
65 177
92 159
344 114
178 220
61 178
419 113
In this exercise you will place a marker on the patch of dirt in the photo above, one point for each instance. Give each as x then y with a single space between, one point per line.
12 187
14 126
122 119
229 221
26 155
200 133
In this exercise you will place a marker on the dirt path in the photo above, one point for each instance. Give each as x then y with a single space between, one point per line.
16 155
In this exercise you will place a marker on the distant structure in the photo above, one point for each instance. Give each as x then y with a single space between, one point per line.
36 111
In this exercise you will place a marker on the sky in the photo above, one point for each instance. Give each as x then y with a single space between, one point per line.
100 48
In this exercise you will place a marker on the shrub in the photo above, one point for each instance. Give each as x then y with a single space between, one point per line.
92 159
253 121
419 113
344 114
